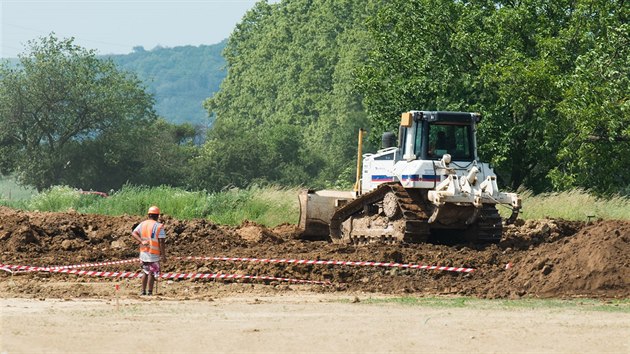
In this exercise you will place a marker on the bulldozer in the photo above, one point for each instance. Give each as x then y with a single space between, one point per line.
426 186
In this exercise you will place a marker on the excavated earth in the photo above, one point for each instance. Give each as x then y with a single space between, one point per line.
535 258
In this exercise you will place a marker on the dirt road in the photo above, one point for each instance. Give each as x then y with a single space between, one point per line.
304 323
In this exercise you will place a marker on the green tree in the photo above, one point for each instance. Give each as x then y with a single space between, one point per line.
596 150
304 75
171 150
468 56
58 105
159 153
288 111
509 60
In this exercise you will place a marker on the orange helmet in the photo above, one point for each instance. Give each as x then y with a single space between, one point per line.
154 210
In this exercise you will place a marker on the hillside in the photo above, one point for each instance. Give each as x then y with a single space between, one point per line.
181 78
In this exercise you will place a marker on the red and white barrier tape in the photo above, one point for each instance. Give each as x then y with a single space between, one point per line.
9 270
348 263
265 260
18 268
164 276
88 265
71 269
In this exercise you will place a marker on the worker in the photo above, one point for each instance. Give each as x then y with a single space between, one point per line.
151 237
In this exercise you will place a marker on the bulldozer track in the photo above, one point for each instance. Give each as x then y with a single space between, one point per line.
489 227
413 210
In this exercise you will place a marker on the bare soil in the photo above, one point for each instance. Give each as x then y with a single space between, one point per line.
541 258
48 312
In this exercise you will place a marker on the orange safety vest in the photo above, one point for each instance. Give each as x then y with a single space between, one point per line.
150 230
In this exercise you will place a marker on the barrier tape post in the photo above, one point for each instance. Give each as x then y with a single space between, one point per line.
117 304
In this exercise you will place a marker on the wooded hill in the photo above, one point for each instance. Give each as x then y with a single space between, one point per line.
180 78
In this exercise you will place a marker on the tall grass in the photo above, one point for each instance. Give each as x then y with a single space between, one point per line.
135 200
574 205
272 206
61 198
268 206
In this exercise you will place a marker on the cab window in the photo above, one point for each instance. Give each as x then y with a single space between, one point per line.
417 144
450 139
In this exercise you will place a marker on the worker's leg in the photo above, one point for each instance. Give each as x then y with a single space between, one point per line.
154 271
144 283
145 276
151 280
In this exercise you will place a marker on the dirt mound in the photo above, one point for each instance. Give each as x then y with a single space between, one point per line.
542 258
594 261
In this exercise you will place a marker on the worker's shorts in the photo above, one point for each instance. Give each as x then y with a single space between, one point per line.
151 267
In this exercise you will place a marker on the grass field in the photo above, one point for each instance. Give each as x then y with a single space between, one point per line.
270 205
574 205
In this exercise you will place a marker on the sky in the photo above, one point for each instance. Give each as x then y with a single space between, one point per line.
116 26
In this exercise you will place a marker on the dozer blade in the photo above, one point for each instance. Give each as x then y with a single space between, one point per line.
316 210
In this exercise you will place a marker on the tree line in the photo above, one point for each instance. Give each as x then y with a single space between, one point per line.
303 76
